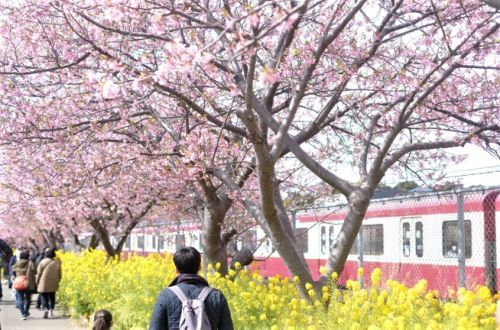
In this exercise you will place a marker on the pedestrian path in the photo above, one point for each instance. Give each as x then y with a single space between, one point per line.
10 318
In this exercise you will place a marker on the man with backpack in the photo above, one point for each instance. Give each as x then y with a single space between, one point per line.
189 303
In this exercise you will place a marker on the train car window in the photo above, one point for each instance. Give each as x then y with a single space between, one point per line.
419 239
373 239
323 239
406 239
180 241
200 241
127 242
161 243
302 239
154 242
170 242
269 245
451 236
330 237
140 242
249 239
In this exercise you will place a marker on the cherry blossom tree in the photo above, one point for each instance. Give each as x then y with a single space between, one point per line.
66 195
375 85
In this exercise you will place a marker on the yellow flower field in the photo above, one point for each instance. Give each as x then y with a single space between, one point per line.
129 289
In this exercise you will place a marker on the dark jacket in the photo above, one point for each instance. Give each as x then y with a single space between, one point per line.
167 311
12 262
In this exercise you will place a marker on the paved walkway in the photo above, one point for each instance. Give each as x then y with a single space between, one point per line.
10 317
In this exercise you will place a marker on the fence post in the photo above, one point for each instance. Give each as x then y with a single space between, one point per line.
490 241
360 253
461 239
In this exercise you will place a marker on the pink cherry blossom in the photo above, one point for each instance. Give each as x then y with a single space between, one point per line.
268 76
110 90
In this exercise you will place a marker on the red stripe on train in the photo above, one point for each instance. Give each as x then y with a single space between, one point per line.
439 277
397 209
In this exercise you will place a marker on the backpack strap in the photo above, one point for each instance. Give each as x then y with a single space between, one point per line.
179 293
204 293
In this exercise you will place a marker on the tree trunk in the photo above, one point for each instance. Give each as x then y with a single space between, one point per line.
103 237
282 241
45 238
281 209
59 239
34 245
93 242
52 240
214 248
358 204
76 242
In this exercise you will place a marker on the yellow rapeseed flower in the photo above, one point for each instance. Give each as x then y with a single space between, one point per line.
90 283
361 271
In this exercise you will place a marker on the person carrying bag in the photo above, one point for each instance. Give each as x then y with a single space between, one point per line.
48 276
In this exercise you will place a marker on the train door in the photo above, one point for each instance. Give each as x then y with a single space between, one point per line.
327 238
412 238
411 248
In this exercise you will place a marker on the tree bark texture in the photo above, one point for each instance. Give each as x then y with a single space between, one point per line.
358 204
214 212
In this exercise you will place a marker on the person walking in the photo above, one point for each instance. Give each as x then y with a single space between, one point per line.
12 272
48 276
24 283
38 258
188 290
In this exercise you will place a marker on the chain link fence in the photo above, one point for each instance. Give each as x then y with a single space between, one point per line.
447 238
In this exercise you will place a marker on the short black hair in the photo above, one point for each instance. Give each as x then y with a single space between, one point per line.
51 253
24 255
187 260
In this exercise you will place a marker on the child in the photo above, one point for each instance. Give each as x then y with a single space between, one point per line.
103 320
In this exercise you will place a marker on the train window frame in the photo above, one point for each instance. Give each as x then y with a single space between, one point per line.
180 241
331 237
449 253
419 239
372 246
406 231
200 241
161 243
140 242
323 240
249 239
302 238
268 245
153 242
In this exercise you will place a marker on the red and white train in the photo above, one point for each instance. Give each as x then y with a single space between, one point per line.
408 238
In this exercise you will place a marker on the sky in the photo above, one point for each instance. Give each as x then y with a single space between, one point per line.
478 161
478 168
